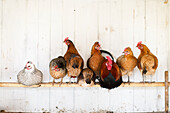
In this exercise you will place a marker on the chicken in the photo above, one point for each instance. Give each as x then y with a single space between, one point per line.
111 76
58 68
96 59
147 62
86 78
30 75
74 62
127 62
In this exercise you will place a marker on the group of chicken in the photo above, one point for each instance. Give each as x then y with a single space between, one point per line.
108 72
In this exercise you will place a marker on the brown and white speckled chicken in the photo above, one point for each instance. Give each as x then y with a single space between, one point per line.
74 62
30 75
58 68
86 78
127 62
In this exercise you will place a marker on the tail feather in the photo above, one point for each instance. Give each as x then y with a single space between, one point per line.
75 66
110 83
88 63
104 51
144 71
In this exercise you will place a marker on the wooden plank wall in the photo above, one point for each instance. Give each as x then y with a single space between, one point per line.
35 29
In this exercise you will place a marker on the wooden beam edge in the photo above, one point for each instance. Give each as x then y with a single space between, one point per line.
132 84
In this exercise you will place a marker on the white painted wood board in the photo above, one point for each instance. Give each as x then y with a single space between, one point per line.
35 30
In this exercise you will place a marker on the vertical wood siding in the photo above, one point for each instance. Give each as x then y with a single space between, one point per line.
35 29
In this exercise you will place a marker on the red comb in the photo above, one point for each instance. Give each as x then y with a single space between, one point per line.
109 59
125 49
65 39
99 45
56 67
139 43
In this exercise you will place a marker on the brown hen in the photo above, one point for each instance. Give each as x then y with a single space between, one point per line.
127 62
147 62
96 59
74 62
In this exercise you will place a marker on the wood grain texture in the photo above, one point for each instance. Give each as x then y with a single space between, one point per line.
133 84
166 93
35 29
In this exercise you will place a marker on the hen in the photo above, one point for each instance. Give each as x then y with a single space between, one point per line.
58 68
147 62
30 75
111 76
74 62
96 59
86 78
127 62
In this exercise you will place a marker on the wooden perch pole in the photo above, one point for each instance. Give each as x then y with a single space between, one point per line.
132 84
166 93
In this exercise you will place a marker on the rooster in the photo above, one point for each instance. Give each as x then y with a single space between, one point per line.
86 78
74 62
30 75
96 59
147 62
127 62
57 68
111 76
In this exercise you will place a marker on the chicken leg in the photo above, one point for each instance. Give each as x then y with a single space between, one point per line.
53 82
128 80
70 81
143 78
61 82
151 78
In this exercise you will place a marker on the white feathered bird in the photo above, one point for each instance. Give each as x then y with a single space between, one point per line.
30 75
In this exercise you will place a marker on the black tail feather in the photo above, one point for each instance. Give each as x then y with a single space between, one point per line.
88 64
109 85
75 66
144 71
104 51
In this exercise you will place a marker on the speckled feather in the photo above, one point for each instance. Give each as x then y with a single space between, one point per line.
30 78
85 75
62 66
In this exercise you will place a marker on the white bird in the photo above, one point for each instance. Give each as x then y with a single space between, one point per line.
30 75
